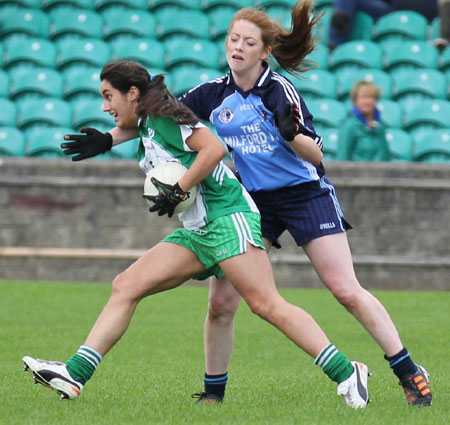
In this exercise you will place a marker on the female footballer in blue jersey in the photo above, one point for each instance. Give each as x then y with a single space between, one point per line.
264 120
221 235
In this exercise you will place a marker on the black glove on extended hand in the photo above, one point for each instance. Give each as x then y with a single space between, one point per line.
87 145
169 196
288 122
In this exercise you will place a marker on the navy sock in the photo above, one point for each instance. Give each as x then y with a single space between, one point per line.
215 384
401 363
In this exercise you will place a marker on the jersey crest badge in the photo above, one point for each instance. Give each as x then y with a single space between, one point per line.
225 115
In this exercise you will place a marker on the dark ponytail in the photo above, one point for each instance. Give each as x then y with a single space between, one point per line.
154 97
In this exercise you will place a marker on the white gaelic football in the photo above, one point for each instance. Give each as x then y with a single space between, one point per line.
169 172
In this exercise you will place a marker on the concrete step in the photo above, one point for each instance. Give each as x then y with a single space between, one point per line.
292 270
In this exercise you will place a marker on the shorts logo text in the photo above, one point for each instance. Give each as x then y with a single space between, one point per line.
331 225
222 251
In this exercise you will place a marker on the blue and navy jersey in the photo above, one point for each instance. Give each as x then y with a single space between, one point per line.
246 123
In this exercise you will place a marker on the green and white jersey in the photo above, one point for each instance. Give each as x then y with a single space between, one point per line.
219 194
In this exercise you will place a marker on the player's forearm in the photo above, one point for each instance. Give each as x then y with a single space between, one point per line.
306 148
210 152
121 135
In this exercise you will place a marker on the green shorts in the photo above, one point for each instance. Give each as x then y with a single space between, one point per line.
223 238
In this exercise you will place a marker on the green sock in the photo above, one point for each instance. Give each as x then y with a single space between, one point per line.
83 363
334 364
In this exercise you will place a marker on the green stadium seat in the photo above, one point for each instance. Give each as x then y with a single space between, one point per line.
182 4
33 51
433 147
190 23
49 112
121 22
412 86
35 82
346 81
4 84
435 28
319 56
400 145
330 138
146 51
89 113
32 4
8 112
287 4
30 22
400 25
408 55
45 142
220 18
316 83
209 5
75 22
444 61
126 150
280 14
391 113
222 63
102 5
356 55
362 27
327 113
81 83
91 52
49 5
182 51
12 142
320 4
185 78
427 115
447 75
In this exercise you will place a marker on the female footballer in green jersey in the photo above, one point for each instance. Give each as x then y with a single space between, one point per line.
227 241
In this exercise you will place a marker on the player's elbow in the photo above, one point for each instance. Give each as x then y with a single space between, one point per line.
222 151
218 151
318 158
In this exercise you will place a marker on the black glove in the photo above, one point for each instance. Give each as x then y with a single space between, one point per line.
169 196
288 122
87 145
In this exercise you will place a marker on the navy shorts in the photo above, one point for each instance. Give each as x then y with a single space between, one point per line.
307 211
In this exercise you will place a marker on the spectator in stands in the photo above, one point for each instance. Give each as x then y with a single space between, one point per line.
444 14
362 137
344 12
221 234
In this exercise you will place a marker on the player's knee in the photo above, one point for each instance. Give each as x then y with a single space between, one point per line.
121 288
348 296
222 307
262 307
118 285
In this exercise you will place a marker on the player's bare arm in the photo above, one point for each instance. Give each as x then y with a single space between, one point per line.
210 152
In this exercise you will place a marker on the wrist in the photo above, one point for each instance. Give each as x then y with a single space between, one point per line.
108 141
290 138
178 188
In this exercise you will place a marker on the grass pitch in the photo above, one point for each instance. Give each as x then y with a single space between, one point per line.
149 376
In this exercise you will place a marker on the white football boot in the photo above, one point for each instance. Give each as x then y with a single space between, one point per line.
354 388
53 375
